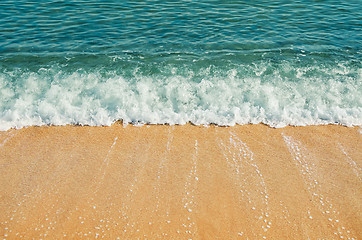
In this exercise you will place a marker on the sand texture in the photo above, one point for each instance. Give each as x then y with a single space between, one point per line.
181 182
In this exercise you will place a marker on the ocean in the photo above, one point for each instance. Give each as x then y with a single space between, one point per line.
221 62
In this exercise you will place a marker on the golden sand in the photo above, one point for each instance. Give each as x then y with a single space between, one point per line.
181 182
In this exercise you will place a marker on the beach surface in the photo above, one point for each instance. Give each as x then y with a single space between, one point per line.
181 182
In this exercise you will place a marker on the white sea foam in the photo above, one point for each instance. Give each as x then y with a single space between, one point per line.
53 97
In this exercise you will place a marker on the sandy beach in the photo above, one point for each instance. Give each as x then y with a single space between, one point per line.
181 182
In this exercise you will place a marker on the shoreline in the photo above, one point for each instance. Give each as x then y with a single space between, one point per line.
181 181
141 124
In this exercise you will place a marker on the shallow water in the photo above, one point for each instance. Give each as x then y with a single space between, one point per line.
224 62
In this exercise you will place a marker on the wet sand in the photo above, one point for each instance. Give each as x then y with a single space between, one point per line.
181 182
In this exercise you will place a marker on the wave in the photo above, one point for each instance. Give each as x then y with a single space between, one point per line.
276 94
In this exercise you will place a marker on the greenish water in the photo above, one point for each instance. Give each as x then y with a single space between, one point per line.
224 62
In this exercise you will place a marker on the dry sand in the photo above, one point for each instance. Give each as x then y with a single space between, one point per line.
181 182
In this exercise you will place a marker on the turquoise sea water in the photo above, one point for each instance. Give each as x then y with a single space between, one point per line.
225 62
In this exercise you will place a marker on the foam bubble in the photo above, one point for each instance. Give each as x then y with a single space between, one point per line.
277 96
